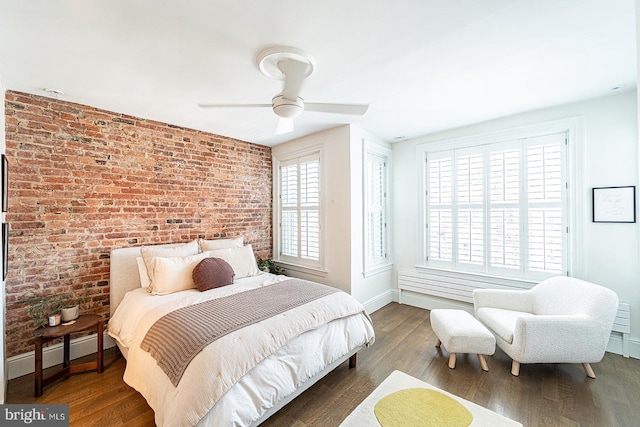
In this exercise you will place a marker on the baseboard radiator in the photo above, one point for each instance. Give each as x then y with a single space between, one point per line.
452 285
459 287
622 325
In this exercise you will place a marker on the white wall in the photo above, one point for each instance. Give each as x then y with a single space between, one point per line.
375 290
342 197
336 209
609 253
3 365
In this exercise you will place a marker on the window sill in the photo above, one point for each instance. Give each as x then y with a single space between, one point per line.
377 270
303 269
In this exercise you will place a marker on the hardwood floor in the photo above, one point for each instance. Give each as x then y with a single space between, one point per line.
543 395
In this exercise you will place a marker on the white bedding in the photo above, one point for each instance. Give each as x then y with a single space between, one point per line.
195 400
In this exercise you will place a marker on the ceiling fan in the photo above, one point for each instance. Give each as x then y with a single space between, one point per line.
291 65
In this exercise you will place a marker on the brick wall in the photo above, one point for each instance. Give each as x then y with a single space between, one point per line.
84 181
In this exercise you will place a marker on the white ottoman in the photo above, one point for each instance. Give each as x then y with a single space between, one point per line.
460 332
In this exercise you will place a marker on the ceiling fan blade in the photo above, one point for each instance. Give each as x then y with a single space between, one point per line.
284 126
294 73
233 105
356 109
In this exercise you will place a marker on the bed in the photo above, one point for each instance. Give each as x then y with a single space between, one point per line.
245 374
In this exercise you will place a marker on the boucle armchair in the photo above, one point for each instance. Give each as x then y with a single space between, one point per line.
560 320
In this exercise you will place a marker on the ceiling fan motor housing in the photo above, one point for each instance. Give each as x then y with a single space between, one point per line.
287 108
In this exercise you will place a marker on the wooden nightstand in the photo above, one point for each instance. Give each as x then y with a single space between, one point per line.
45 334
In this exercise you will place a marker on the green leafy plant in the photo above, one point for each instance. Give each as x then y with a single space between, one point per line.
269 266
43 306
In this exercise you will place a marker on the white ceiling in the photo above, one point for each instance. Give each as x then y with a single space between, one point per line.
422 65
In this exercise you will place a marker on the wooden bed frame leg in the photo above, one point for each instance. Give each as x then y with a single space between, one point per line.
353 360
439 343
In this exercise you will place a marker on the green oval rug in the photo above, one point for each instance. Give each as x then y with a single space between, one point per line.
415 407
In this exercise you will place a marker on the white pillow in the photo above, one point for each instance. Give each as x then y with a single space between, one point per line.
242 260
142 271
211 245
173 274
183 250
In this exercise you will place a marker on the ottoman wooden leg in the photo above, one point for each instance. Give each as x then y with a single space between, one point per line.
483 362
452 360
515 368
439 343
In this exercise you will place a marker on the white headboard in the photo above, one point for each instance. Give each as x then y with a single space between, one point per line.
123 273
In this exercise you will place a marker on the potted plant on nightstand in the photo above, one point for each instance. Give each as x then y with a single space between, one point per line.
41 307
70 309
71 306
269 266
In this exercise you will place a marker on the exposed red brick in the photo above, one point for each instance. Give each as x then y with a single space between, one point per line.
84 181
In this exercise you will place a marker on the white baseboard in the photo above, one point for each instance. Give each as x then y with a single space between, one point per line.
634 348
379 301
24 364
615 346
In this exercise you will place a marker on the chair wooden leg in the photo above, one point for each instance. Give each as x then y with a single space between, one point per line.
587 367
483 362
452 360
439 343
515 368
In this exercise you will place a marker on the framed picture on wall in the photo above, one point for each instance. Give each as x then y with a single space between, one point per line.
614 204
5 183
5 250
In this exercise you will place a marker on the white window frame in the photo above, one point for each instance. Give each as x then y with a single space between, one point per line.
287 158
379 264
573 128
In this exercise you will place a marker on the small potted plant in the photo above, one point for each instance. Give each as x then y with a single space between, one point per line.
70 308
269 266
43 306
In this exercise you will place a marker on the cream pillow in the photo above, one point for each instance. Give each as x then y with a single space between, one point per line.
242 260
173 274
165 251
142 271
211 245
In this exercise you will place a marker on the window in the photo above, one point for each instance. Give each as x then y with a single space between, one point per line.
499 208
299 210
376 234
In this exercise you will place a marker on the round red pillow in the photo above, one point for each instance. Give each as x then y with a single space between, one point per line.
212 273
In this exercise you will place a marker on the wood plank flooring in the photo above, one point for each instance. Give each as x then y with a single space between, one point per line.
543 395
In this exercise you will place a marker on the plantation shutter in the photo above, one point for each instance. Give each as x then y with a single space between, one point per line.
289 201
375 209
440 200
500 208
545 182
300 208
504 206
310 209
470 208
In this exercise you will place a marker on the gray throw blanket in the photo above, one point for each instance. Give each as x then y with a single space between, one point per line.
177 337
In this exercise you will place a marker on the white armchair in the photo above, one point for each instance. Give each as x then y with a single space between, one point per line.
560 320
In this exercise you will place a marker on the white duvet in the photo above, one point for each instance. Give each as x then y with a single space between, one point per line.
221 387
